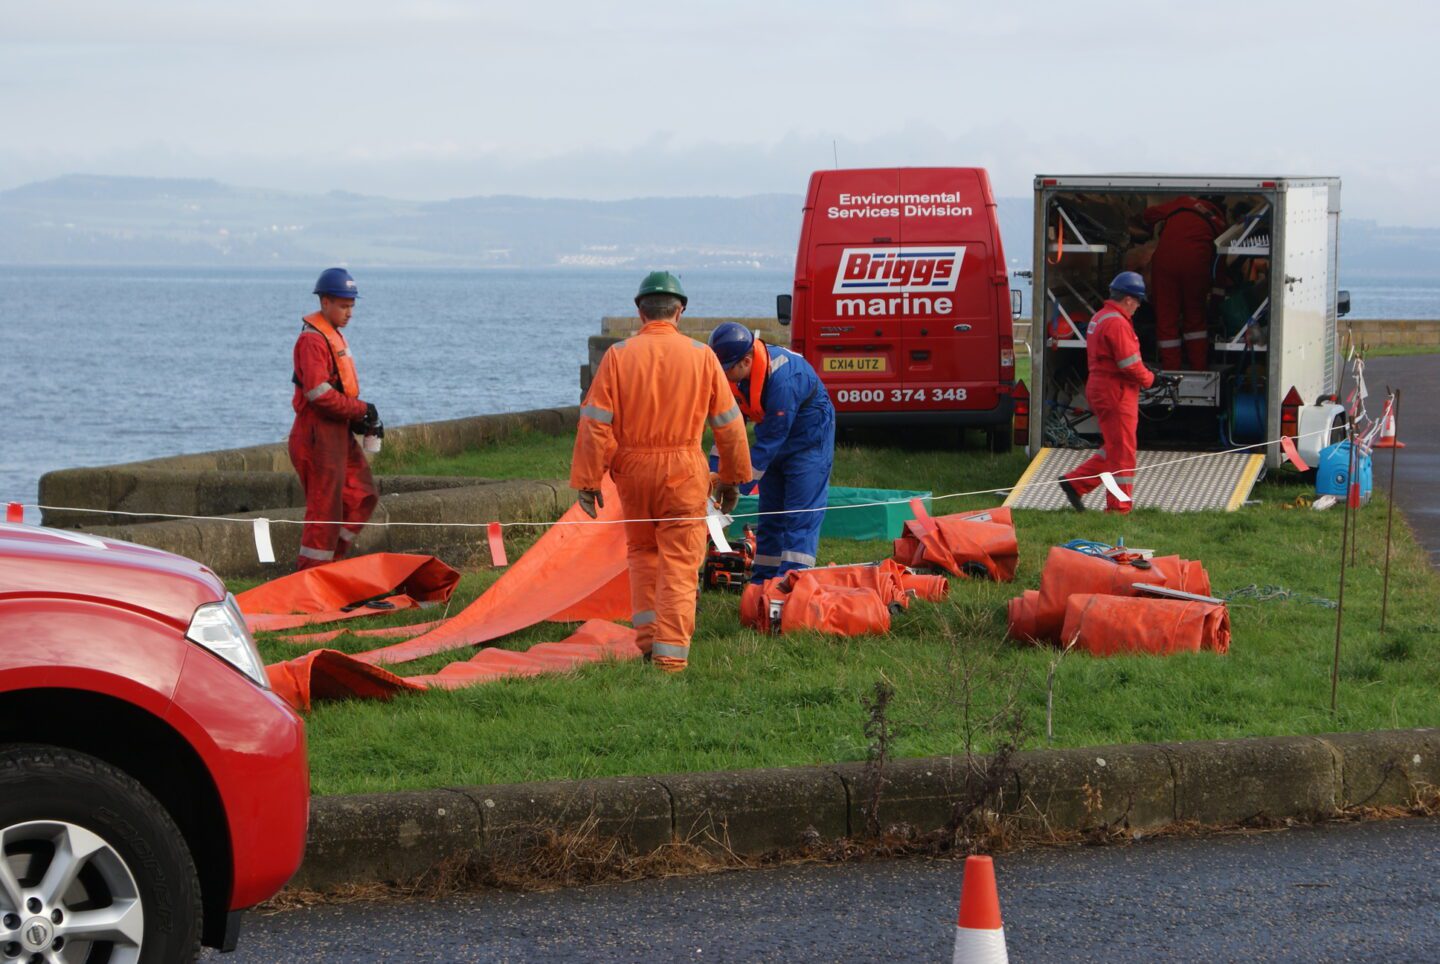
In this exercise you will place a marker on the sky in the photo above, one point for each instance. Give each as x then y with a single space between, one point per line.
429 99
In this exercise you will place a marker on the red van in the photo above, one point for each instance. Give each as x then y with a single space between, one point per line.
901 299
151 785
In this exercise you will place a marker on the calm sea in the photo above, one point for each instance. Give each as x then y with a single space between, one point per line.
103 365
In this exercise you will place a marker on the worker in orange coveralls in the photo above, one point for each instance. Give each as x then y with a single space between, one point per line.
328 412
1113 390
642 421
1180 273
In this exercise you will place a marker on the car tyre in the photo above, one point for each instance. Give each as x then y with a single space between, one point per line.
69 816
1002 438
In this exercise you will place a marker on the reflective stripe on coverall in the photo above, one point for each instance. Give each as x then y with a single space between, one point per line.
1113 391
642 421
332 469
1180 273
793 454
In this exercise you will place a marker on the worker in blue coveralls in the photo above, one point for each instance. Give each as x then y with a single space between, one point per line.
794 446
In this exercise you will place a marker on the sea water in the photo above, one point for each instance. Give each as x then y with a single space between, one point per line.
105 365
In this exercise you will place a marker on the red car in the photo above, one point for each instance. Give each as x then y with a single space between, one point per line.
151 785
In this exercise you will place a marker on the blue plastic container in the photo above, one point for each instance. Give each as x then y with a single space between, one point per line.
1332 475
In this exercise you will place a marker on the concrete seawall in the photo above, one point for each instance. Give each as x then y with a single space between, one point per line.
260 481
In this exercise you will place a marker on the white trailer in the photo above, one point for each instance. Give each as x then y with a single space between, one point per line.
1272 367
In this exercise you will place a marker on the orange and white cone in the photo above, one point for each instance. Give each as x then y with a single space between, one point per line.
1387 434
979 935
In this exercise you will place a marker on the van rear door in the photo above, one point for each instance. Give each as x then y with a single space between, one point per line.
854 227
950 334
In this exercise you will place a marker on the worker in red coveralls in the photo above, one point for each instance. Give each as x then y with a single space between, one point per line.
328 413
1113 390
1180 274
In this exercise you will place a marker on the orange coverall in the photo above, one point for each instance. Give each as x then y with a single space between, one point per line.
1180 278
332 469
1113 391
642 421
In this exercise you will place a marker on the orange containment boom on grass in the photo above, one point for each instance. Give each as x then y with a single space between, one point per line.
1040 615
575 571
1106 625
322 594
967 544
329 674
841 600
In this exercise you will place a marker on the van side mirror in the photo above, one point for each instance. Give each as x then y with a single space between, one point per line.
1016 302
1342 304
782 308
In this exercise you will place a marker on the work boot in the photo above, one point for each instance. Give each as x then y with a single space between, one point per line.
1076 502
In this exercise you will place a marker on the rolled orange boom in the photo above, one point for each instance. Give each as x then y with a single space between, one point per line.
1107 625
964 544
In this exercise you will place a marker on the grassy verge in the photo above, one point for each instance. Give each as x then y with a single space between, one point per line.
1389 351
751 701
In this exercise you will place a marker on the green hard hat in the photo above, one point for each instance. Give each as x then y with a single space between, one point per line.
661 283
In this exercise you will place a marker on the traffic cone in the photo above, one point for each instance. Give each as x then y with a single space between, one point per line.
979 935
1387 434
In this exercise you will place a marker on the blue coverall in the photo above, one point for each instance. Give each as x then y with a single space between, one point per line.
792 456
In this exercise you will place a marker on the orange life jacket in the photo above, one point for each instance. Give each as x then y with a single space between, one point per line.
340 352
759 368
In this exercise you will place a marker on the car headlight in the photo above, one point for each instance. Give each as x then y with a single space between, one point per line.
220 628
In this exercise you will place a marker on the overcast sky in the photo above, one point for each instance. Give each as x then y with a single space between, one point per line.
436 99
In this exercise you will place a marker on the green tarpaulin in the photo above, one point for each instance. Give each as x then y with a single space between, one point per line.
870 522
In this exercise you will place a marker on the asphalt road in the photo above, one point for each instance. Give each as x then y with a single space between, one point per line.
1417 466
1344 892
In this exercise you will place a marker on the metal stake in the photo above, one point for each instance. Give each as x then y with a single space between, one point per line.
1340 599
1390 511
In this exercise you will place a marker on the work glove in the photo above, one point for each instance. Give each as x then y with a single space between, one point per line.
590 500
727 495
372 417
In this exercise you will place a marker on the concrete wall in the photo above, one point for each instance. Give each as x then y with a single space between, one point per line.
398 836
613 329
259 481
260 477
229 547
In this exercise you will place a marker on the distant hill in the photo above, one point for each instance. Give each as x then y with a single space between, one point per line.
90 219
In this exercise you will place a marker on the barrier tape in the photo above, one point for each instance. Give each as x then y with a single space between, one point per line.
497 545
697 518
263 548
1113 487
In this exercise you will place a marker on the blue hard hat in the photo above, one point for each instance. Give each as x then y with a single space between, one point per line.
1129 283
731 342
337 283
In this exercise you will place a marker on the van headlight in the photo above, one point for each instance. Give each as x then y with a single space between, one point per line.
220 628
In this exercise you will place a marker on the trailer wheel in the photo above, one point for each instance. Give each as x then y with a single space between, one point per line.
1002 439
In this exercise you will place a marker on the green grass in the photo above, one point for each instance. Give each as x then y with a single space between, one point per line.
750 701
1386 351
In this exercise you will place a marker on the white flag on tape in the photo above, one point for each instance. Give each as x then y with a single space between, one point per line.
263 548
1113 487
717 523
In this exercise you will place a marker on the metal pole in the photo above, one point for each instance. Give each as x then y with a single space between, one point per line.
1340 601
1389 512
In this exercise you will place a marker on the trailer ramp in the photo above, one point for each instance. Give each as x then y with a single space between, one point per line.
1221 481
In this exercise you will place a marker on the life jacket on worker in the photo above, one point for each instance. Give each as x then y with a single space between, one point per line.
752 403
342 361
1111 348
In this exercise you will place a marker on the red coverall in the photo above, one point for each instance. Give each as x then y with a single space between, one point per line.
332 469
1113 390
1181 277
642 421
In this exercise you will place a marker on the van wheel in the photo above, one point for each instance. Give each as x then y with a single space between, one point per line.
92 868
1002 439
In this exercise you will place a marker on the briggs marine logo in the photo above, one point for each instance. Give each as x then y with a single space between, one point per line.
898 270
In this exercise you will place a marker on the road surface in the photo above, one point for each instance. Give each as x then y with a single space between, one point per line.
1341 892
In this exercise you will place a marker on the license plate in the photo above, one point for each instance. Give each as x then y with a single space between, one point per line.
855 363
